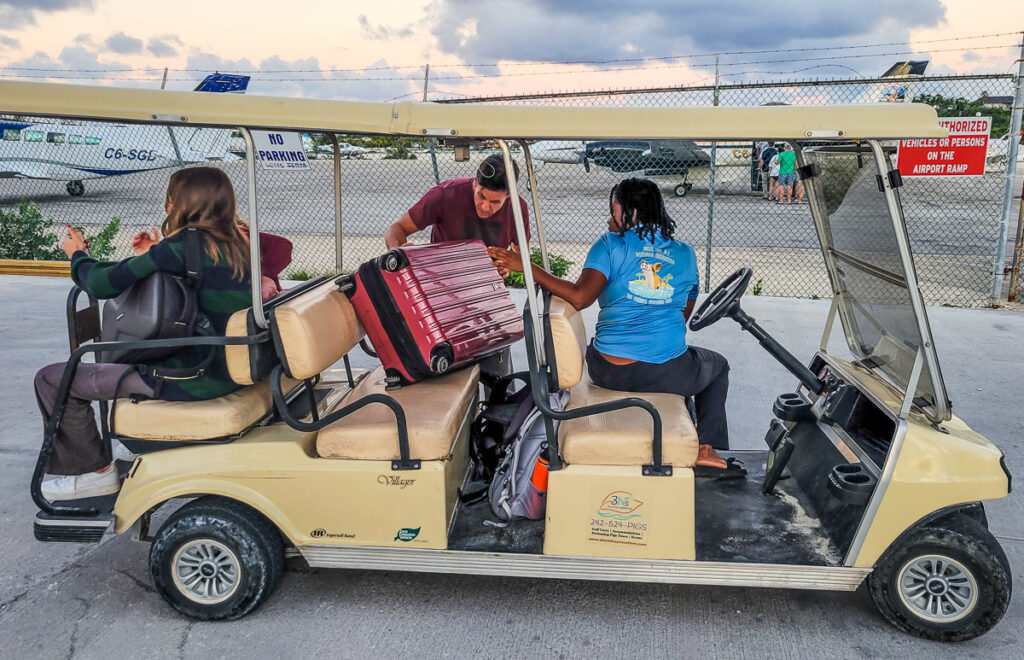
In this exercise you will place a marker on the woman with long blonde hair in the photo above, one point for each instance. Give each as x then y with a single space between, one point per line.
81 464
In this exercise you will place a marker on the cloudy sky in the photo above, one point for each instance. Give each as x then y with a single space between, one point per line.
332 49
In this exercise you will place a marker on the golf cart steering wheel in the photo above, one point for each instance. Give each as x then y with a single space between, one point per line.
722 300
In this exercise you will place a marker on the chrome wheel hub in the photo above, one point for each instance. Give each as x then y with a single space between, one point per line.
937 588
206 571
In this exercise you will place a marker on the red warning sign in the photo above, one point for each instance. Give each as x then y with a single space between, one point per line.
961 154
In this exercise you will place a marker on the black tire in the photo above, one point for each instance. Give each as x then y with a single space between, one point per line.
249 545
975 554
681 190
75 188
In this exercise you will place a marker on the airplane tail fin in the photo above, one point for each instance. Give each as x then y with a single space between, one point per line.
223 83
903 87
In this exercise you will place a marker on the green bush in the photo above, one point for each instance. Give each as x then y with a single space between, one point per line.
26 234
101 246
559 267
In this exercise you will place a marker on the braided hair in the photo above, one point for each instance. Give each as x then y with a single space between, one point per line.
643 208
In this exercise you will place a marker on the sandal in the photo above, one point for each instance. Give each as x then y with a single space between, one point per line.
733 470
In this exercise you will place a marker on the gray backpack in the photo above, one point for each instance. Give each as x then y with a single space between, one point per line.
512 493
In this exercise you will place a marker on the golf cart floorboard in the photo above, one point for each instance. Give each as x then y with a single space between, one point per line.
735 522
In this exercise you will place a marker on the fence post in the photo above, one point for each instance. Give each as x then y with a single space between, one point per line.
999 263
711 194
432 143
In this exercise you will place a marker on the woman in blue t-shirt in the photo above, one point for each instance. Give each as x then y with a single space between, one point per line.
646 285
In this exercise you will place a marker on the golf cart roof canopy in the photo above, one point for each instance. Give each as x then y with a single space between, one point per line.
847 122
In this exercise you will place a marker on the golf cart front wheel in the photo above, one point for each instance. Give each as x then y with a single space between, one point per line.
216 559
949 582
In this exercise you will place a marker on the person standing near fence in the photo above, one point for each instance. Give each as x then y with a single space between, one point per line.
787 173
767 153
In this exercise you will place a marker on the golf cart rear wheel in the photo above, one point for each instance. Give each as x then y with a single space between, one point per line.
215 558
947 582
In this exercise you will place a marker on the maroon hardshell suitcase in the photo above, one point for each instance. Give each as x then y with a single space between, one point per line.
428 309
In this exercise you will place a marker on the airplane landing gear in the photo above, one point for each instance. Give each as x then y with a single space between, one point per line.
683 189
76 188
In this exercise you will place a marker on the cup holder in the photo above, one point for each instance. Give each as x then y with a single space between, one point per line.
851 483
791 407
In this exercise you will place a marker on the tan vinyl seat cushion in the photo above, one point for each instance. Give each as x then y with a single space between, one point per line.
175 421
569 341
434 410
315 329
623 437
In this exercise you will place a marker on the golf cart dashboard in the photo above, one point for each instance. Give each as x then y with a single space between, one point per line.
865 425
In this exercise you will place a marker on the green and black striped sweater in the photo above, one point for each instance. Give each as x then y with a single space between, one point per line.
220 295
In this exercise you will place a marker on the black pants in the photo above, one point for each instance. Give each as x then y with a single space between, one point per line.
698 372
78 447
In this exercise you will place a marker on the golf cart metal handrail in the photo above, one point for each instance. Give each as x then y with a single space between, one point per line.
403 463
64 389
255 267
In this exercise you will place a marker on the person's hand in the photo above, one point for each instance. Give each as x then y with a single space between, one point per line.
74 242
268 289
507 261
142 241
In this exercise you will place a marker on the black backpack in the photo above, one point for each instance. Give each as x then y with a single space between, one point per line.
161 306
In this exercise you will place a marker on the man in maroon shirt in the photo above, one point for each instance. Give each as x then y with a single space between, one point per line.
461 209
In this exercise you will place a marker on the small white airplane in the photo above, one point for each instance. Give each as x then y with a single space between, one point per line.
75 151
999 149
345 150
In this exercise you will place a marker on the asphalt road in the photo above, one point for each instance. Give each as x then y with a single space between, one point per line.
71 601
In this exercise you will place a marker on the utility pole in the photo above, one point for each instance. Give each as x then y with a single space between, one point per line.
711 194
432 143
999 263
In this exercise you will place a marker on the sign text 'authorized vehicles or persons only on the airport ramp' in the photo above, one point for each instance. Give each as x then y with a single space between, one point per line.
280 150
963 153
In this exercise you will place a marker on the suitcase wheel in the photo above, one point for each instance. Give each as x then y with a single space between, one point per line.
393 261
439 364
441 359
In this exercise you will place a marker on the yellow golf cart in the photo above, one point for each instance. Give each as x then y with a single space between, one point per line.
867 474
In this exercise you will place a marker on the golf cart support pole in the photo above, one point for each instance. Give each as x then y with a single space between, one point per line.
531 177
254 231
337 202
517 216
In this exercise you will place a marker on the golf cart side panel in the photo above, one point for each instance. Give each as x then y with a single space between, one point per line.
616 511
934 470
276 471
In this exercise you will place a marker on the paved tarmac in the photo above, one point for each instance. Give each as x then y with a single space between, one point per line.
95 601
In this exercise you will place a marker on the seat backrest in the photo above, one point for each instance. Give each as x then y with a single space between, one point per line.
568 342
314 330
248 364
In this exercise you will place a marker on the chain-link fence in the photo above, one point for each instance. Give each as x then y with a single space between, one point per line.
87 173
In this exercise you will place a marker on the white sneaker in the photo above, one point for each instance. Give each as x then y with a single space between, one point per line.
78 486
122 453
